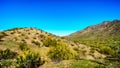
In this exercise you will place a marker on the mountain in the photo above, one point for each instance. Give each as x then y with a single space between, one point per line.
102 30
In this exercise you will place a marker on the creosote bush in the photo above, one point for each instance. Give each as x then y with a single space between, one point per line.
62 51
29 60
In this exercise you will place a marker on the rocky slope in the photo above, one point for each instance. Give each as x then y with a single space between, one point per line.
30 36
104 29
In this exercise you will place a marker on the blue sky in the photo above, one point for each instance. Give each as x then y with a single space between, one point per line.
60 17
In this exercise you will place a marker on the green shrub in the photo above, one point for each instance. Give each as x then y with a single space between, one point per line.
29 60
23 46
7 54
62 52
106 50
6 64
49 42
36 43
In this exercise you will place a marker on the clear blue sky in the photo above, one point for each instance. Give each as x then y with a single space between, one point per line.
60 17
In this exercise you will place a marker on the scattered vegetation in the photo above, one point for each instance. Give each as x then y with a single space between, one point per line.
29 60
62 52
7 54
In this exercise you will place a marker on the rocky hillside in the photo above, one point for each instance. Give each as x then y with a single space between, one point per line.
104 29
30 36
104 37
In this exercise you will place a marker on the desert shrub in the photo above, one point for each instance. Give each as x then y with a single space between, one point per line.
37 33
116 55
29 60
106 50
26 37
36 42
62 52
46 32
116 48
23 40
34 37
7 54
6 64
29 33
2 34
22 34
12 32
23 46
49 42
62 37
41 36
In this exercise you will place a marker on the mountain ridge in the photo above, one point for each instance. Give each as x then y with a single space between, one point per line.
103 29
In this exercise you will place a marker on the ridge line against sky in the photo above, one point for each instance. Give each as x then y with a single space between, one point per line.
60 17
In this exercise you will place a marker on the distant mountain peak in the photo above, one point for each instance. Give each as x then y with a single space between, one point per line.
106 28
